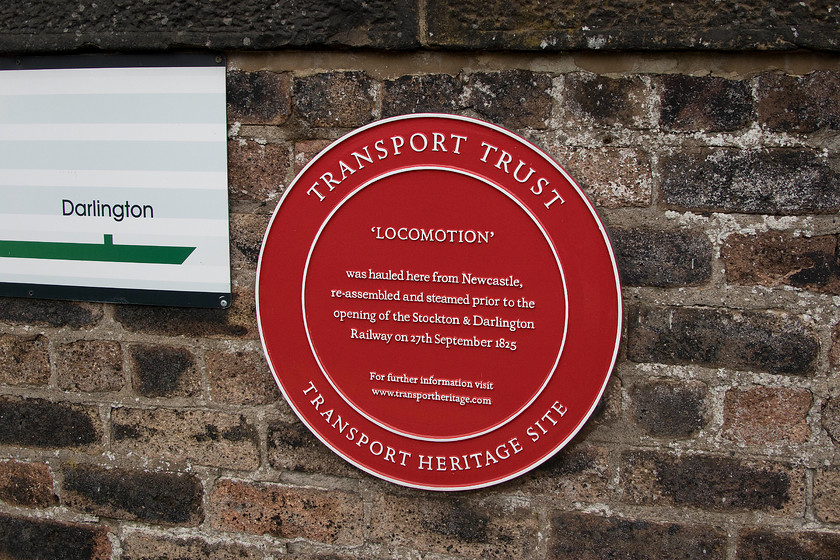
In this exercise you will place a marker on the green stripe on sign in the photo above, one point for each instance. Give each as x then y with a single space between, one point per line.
106 252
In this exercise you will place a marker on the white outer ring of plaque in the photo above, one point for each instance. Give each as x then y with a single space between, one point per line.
556 260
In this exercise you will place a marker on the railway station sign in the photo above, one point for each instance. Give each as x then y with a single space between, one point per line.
113 179
439 302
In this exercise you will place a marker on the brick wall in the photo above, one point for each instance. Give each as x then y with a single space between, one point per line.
134 433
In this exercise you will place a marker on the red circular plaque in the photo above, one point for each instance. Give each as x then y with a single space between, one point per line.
438 302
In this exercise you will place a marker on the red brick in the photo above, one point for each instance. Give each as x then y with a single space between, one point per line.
712 483
331 517
257 172
26 484
246 236
258 97
305 150
24 360
584 536
831 418
44 424
707 103
90 366
36 539
799 104
827 495
511 98
763 544
335 99
164 371
194 436
611 177
606 102
774 259
140 546
578 473
241 377
767 415
454 526
292 447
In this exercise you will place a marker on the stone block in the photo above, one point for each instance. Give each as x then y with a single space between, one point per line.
152 497
454 526
24 360
669 409
164 371
259 97
335 99
258 171
240 378
712 483
202 437
799 105
587 536
331 517
772 181
26 484
90 366
305 150
44 424
511 98
776 259
577 473
22 538
767 415
705 103
749 340
606 102
246 237
765 544
662 259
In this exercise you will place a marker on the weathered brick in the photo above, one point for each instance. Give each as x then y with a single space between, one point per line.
586 536
511 98
710 104
50 313
827 495
608 102
26 484
193 436
773 181
37 539
340 99
767 415
240 378
332 517
669 409
773 259
24 360
713 483
41 423
763 544
90 366
611 177
454 526
292 447
834 351
831 418
305 150
139 546
164 371
575 474
239 320
799 104
154 497
662 259
258 97
749 340
246 236
427 93
257 171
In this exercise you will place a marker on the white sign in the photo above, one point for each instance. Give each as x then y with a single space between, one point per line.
113 180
